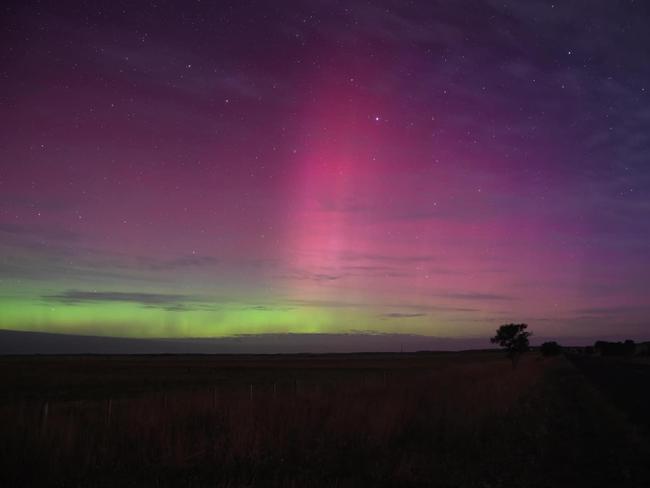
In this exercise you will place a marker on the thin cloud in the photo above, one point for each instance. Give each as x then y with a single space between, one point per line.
309 276
477 296
23 235
402 315
387 258
614 310
170 302
72 297
188 261
266 308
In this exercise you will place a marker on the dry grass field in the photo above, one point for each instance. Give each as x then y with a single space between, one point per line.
448 420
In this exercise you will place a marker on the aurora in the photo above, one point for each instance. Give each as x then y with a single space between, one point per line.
367 167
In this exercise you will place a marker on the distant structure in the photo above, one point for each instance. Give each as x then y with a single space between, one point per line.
627 348
617 349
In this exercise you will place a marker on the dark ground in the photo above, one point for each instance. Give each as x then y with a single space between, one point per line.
432 419
624 381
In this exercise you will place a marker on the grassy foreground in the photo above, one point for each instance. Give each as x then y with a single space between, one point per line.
447 420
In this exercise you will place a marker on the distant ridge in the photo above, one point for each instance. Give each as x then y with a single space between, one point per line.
22 342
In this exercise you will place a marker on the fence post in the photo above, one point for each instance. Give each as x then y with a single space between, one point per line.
44 413
109 410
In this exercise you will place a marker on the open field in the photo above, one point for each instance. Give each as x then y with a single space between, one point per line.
446 419
624 381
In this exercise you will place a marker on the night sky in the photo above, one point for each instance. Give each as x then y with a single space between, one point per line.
211 169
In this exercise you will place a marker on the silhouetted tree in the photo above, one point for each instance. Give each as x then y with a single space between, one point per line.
514 339
550 348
